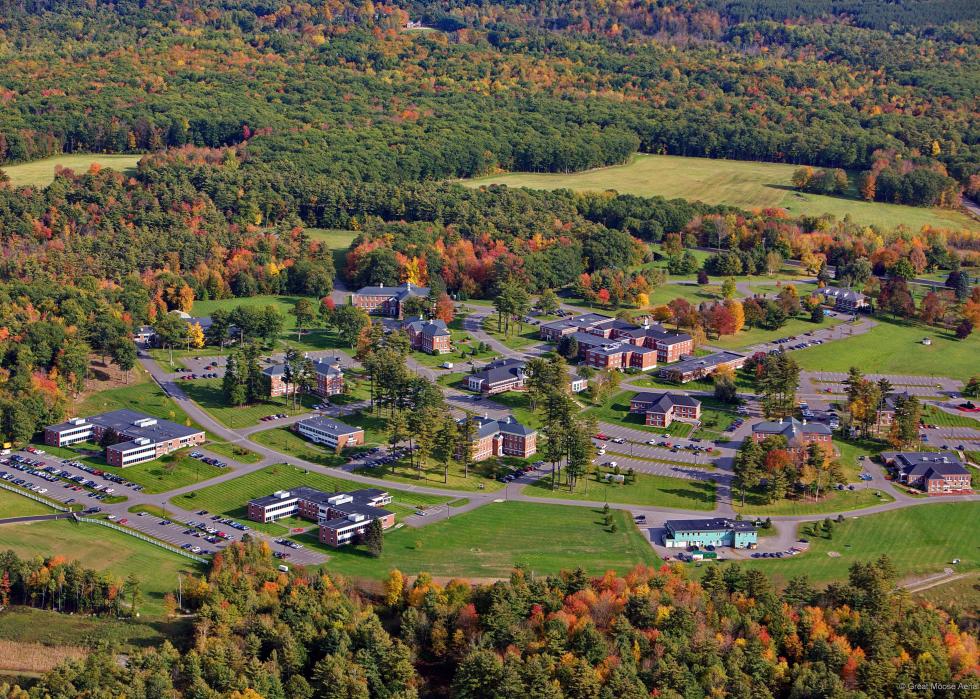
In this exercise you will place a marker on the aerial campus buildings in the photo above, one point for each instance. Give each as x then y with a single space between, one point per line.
130 437
342 518
718 531
387 300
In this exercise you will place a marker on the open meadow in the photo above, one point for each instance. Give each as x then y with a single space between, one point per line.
896 348
105 550
40 173
488 541
745 184
919 540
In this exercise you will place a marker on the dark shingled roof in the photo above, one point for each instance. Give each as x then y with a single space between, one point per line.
716 524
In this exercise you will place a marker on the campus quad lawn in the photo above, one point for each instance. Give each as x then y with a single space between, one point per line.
104 549
744 184
519 337
480 478
158 476
830 502
919 540
208 394
13 505
896 348
40 173
649 489
230 498
519 404
488 541
754 336
285 441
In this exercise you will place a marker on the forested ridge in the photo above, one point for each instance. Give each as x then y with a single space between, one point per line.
652 632
338 88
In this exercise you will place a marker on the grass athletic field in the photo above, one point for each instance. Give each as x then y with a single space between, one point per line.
40 173
488 541
896 348
919 540
103 549
739 183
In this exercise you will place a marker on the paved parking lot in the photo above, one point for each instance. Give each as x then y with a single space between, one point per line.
66 491
215 364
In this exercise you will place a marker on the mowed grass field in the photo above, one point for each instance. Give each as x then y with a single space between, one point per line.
744 184
830 502
896 348
488 541
648 489
207 393
231 497
919 540
103 549
13 505
40 173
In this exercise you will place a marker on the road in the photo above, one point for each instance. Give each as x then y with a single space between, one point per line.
679 460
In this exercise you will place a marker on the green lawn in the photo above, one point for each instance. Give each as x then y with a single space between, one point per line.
851 451
488 541
285 441
932 415
481 475
231 497
207 393
102 548
919 540
158 476
831 503
693 293
29 625
13 505
40 173
748 185
232 451
519 404
753 336
337 240
896 348
650 490
145 396
520 337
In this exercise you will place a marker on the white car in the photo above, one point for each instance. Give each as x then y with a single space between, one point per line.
652 442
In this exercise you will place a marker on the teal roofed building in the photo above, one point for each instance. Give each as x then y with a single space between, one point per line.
718 531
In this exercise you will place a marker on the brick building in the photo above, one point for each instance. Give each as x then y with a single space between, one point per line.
343 518
431 336
936 473
387 300
702 367
505 437
334 434
799 435
133 437
661 409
